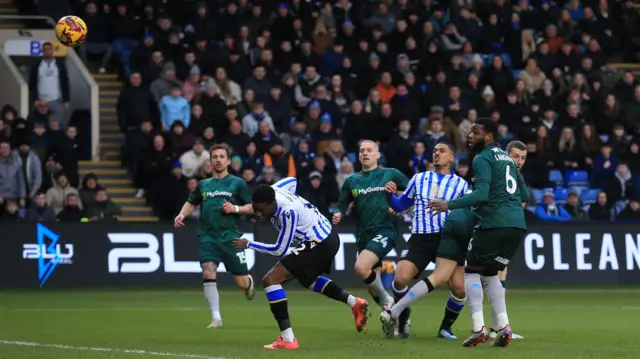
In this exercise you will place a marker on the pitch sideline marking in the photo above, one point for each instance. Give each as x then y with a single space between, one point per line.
112 350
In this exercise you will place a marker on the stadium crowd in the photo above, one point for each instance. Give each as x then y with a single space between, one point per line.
294 86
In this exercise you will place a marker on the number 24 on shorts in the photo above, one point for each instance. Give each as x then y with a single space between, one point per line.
380 239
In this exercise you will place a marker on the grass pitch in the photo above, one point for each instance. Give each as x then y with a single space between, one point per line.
145 324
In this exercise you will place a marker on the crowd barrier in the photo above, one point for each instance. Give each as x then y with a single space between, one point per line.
70 255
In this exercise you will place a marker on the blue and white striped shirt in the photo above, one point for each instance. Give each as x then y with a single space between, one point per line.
297 220
426 186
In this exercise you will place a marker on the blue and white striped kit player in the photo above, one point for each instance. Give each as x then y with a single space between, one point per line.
296 219
427 186
307 246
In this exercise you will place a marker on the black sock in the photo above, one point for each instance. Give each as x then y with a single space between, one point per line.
279 306
330 289
451 312
371 277
429 285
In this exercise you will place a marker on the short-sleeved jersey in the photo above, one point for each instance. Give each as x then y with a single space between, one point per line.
503 209
366 191
210 194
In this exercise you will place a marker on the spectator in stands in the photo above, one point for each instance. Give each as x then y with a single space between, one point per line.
550 212
135 105
180 139
72 211
67 152
602 210
251 122
38 141
269 176
88 189
31 168
57 195
13 186
11 212
125 31
49 83
333 156
155 166
573 207
346 171
281 161
39 211
98 41
192 160
604 166
568 150
315 194
631 212
621 187
163 86
103 208
174 107
420 158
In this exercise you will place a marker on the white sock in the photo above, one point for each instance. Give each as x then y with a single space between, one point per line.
416 292
213 298
475 296
496 295
287 335
377 289
351 301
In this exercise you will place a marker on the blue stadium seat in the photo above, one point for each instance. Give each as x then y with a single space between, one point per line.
516 73
577 178
537 195
556 177
352 157
589 196
619 206
424 87
506 59
578 189
561 195
461 156
604 138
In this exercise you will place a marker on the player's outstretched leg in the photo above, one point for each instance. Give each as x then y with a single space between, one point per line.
496 295
454 304
473 287
210 287
279 307
359 307
364 266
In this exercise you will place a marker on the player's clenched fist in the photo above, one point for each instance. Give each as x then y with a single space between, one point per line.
228 208
337 217
179 221
391 187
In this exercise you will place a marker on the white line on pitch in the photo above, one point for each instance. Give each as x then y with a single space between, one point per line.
112 350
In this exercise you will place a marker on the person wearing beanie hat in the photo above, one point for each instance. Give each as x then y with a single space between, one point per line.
162 86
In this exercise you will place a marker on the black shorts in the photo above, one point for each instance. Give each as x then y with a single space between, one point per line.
422 249
311 260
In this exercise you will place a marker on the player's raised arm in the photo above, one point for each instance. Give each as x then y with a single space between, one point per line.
403 202
289 220
481 185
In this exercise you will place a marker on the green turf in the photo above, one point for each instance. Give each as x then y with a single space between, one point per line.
561 324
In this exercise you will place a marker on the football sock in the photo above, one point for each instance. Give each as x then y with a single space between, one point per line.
326 286
451 311
278 303
376 288
473 286
398 294
213 298
496 295
416 292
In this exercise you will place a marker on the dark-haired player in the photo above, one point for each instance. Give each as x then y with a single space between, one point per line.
501 227
376 225
442 183
217 228
307 245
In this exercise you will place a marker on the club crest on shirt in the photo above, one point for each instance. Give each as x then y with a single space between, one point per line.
354 193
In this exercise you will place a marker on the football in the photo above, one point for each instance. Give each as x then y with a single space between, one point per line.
71 30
